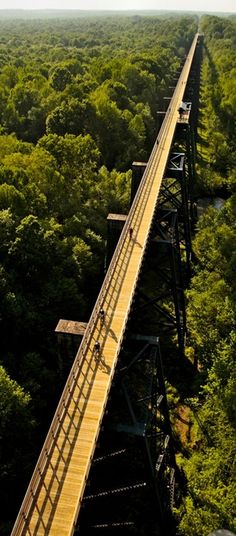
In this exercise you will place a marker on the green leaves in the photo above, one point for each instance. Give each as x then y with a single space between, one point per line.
13 402
210 315
65 84
60 77
218 155
210 471
11 198
71 117
15 440
211 479
211 309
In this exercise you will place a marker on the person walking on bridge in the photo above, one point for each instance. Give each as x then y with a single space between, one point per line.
102 316
97 348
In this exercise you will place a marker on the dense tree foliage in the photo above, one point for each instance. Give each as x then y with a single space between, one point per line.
16 426
78 102
217 127
99 76
210 462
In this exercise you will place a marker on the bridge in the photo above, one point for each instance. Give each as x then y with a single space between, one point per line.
53 499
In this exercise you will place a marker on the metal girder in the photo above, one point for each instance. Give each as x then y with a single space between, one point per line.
191 158
124 489
125 524
186 136
176 163
150 437
164 250
175 192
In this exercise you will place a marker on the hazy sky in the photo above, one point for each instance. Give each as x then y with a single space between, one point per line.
200 5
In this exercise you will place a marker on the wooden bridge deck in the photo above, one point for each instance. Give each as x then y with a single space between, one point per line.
53 499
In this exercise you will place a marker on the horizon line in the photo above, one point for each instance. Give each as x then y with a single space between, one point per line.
116 10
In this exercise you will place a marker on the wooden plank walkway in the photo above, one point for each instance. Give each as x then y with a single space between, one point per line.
53 499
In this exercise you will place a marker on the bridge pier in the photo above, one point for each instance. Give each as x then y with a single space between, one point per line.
131 481
175 193
188 139
160 295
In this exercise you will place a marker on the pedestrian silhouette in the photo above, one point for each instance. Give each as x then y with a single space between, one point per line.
130 232
102 316
97 349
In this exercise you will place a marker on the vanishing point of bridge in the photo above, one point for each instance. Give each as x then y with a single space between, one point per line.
55 494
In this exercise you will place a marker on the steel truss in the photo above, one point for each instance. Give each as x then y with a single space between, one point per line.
175 193
186 138
131 482
161 296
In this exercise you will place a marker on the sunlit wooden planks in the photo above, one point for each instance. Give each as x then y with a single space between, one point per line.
52 501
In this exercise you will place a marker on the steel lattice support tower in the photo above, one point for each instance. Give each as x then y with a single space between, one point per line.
131 482
160 295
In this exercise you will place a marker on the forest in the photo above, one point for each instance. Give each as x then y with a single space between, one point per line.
79 102
209 459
